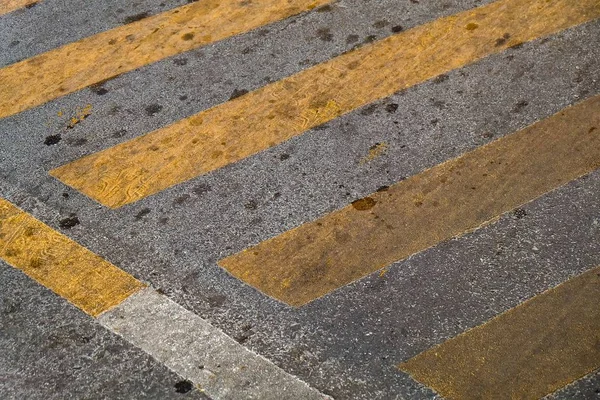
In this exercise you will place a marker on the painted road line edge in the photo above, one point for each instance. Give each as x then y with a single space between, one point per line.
244 126
526 352
184 342
7 6
105 55
70 270
219 365
446 201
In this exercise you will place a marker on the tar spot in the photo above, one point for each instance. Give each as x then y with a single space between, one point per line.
14 43
181 199
251 205
441 78
364 204
397 28
325 8
391 108
31 5
517 46
76 142
352 39
99 90
370 39
592 129
217 300
65 195
284 156
119 133
52 139
520 106
188 36
136 17
325 34
237 93
519 213
183 386
153 109
69 222
180 61
383 188
368 110
471 26
163 220
143 212
201 189
380 24
183 98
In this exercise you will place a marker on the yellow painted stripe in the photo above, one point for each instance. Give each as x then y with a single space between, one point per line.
91 60
526 353
263 118
63 266
7 6
412 215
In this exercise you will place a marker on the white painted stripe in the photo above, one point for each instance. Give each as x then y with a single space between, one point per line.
198 351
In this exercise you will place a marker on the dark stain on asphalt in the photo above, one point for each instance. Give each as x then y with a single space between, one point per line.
441 78
136 17
237 93
397 28
325 34
180 200
520 106
180 61
380 24
519 213
325 8
69 222
391 108
52 139
501 41
153 109
352 39
201 189
143 212
119 133
251 205
28 6
184 386
98 89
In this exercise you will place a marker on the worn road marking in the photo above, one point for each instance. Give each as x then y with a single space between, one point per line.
7 6
88 61
184 342
525 353
55 261
258 120
412 215
201 353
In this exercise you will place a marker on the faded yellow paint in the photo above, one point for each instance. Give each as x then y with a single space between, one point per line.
261 119
525 353
375 151
80 115
58 263
7 6
445 201
92 60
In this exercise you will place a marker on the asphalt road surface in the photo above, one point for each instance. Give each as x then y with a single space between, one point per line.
300 199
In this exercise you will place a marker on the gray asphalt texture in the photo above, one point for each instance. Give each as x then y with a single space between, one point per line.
348 343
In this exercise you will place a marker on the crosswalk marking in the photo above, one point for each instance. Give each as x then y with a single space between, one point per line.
261 119
450 199
67 268
525 353
173 335
91 60
7 6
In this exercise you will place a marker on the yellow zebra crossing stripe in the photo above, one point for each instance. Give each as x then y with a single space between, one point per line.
445 201
60 264
7 6
525 353
91 60
261 119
